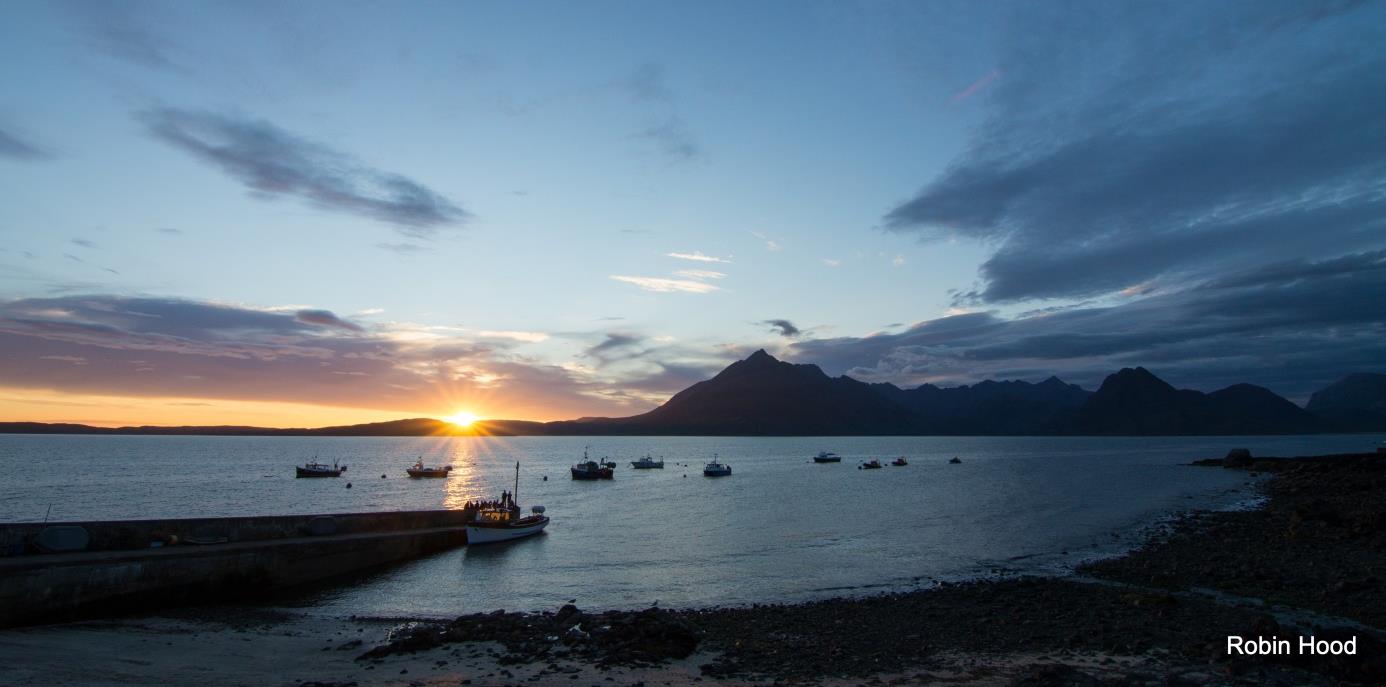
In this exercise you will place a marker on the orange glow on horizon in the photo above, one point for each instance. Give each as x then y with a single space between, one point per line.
38 405
463 418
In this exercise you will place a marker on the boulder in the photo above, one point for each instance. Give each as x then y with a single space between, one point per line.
1237 458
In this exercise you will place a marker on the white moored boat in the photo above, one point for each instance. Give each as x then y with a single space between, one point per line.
827 457
716 468
501 520
647 463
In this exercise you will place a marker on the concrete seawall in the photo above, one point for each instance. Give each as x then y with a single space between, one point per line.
137 564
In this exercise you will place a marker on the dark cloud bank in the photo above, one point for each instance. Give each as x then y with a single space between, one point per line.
1199 188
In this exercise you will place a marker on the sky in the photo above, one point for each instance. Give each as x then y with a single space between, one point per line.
314 213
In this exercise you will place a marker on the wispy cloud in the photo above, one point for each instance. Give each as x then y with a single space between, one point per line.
647 83
326 318
770 244
698 256
402 248
514 335
664 285
83 243
699 274
784 328
12 146
832 262
272 162
118 30
673 139
976 87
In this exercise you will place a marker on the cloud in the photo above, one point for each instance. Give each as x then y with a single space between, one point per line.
1293 326
672 139
615 346
196 350
647 83
325 318
975 87
784 328
664 285
402 248
117 30
514 335
83 243
1165 147
897 261
74 359
12 146
770 244
699 274
697 256
272 162
170 231
832 262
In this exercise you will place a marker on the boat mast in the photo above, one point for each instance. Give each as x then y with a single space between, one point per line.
514 494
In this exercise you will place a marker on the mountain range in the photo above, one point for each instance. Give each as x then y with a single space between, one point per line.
762 396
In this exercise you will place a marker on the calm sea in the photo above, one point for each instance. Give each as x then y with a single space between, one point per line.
780 529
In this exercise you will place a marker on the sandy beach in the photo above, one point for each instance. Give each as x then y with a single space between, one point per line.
1304 563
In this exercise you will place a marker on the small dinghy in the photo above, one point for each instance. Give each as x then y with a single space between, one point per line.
899 461
872 464
954 461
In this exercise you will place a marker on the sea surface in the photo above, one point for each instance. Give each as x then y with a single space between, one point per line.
779 529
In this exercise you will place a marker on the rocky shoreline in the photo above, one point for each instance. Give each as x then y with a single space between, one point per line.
1152 617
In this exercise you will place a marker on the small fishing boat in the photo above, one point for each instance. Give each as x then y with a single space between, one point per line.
827 457
501 521
899 461
716 468
419 470
647 463
954 461
591 469
315 469
872 464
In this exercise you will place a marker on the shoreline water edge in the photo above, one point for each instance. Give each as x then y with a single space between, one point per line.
1191 606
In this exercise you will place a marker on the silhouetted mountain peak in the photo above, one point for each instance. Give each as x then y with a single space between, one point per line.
1356 402
1138 380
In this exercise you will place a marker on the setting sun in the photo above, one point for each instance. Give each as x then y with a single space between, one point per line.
462 418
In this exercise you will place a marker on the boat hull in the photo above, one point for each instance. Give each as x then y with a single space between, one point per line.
605 473
300 472
428 473
482 534
827 460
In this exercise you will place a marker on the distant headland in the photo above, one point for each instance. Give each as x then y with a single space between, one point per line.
762 396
